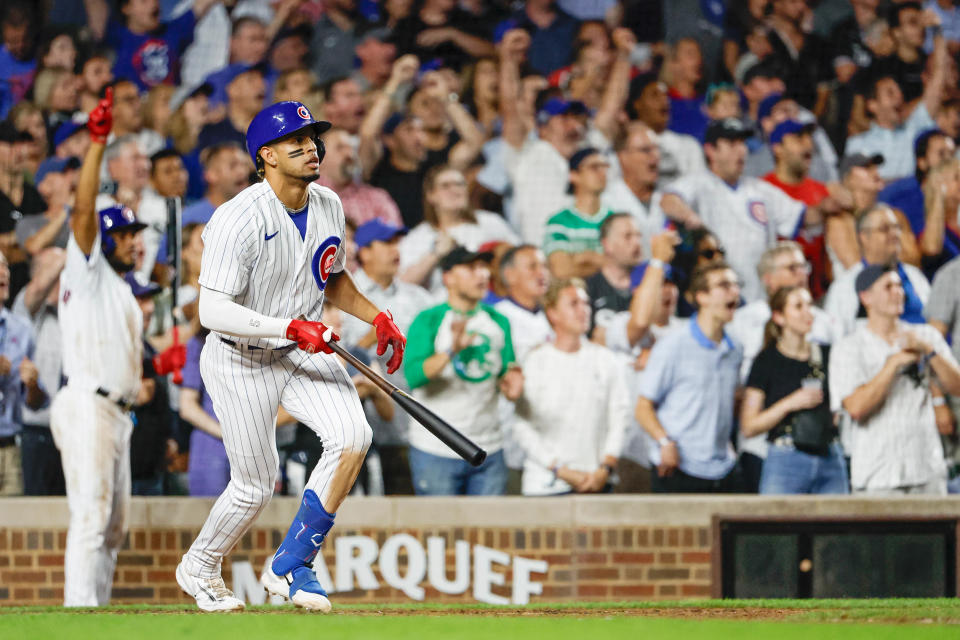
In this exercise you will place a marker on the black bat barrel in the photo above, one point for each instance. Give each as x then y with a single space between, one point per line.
436 425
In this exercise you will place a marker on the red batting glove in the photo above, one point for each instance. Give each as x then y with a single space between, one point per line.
170 360
101 118
389 333
311 336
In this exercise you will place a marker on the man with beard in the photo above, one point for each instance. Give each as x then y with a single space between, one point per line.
246 90
102 342
361 202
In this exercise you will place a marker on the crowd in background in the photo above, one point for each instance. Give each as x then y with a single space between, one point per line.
635 245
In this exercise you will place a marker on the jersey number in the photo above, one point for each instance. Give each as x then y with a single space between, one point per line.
323 260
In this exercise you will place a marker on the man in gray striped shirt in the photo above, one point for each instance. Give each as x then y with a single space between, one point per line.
881 375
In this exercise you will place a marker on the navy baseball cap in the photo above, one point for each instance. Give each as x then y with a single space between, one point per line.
636 276
54 165
394 121
66 130
789 128
558 107
726 129
231 72
767 104
139 290
461 255
376 230
869 275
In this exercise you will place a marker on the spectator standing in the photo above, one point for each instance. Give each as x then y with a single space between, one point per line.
551 31
246 92
95 74
747 214
892 130
226 172
37 304
333 41
940 241
21 386
401 170
680 154
574 410
686 401
524 274
683 69
378 252
635 189
168 180
17 64
943 314
608 289
339 171
803 55
448 221
879 236
880 376
56 181
344 105
572 240
442 31
459 360
376 54
787 399
208 469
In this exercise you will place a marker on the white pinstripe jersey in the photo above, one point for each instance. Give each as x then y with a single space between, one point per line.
253 251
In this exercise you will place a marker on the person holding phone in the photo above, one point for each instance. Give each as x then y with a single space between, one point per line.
787 398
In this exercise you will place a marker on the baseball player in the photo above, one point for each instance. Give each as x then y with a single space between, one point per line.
101 331
271 255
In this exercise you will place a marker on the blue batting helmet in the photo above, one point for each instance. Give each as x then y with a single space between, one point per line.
279 121
116 218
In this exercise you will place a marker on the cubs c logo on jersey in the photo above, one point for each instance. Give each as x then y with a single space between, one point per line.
323 259
303 113
758 211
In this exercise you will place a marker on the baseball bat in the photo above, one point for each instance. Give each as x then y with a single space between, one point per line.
443 430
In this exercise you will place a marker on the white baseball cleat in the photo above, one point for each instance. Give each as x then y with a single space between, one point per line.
307 594
211 594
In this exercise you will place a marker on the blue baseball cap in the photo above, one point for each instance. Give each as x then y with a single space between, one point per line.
636 276
54 165
230 74
790 128
767 104
66 130
394 121
582 155
376 230
140 290
558 107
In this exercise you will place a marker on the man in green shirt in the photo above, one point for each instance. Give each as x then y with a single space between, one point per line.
572 242
459 358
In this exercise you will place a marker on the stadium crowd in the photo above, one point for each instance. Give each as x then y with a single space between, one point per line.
636 245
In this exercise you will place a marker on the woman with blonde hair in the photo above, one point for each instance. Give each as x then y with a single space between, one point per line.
787 398
55 92
448 221
26 116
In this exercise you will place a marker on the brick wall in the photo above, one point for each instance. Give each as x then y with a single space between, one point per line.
596 548
610 563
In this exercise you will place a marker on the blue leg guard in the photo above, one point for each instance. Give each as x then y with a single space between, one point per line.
297 551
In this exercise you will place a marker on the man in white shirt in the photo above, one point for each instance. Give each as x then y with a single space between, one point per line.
680 154
782 265
879 236
540 170
376 278
880 376
575 406
635 191
746 214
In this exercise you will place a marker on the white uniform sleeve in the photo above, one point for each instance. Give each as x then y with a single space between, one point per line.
785 212
230 248
688 187
80 271
218 312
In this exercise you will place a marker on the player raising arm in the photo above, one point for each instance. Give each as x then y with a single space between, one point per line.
271 255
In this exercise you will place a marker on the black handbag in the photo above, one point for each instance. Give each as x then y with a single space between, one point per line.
812 429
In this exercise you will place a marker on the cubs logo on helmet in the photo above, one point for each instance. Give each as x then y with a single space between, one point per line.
279 121
324 259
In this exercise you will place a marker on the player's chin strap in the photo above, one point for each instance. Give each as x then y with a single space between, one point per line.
306 534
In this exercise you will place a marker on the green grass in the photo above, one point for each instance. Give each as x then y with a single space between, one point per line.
703 620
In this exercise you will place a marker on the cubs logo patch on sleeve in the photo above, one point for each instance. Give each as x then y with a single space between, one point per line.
323 260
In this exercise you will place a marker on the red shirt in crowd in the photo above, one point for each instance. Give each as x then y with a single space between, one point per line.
810 192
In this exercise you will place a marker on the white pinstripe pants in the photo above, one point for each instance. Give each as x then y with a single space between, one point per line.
247 387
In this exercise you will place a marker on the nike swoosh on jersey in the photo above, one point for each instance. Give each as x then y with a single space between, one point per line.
270 237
